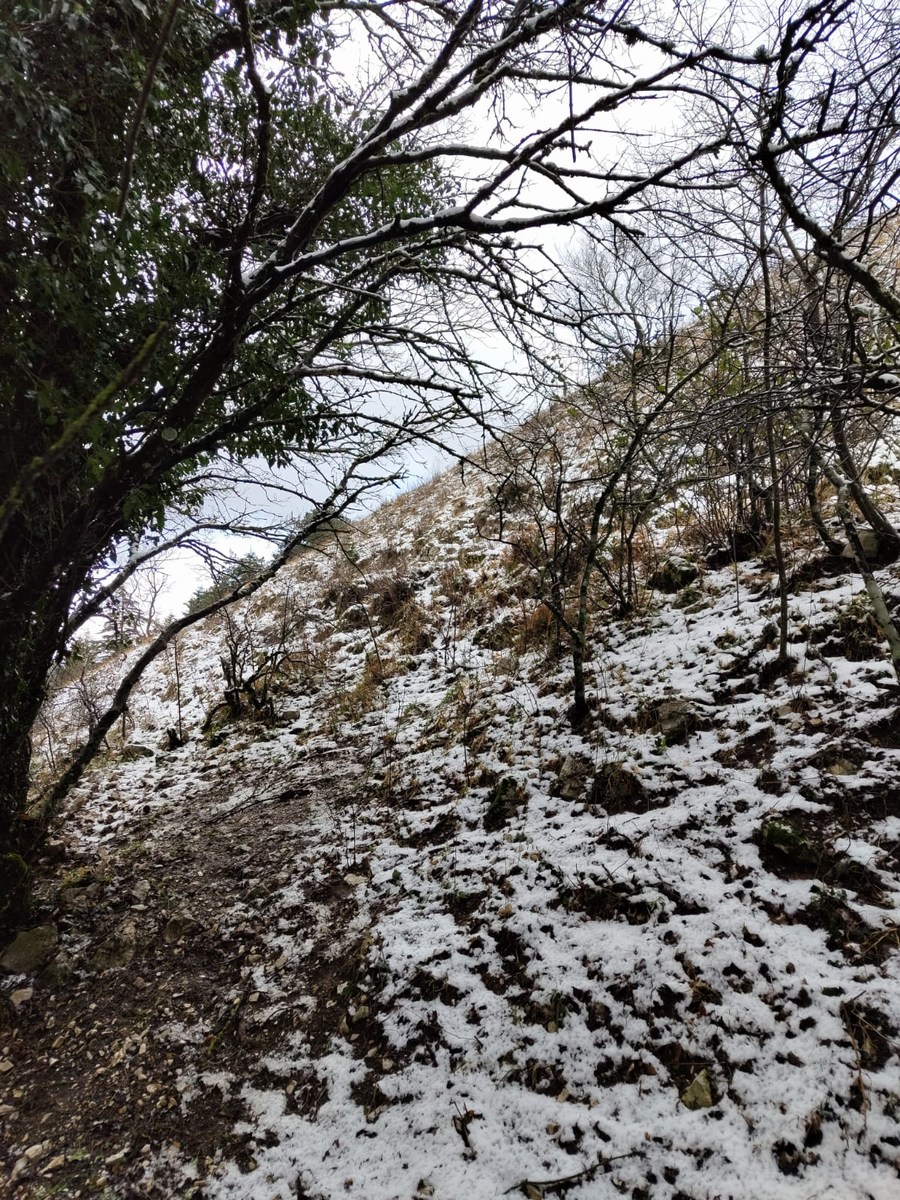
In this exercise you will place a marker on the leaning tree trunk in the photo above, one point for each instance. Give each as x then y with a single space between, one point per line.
47 548
832 544
28 642
880 610
775 478
850 470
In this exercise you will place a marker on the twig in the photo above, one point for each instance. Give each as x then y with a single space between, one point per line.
461 1123
848 1015
143 100
290 793
227 1021
542 1186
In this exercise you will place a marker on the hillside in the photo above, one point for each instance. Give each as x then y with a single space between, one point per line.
399 930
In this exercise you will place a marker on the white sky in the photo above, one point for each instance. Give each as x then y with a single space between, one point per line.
648 120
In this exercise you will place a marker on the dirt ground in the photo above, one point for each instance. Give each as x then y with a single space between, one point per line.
164 952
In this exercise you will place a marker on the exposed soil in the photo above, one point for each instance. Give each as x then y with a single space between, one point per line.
170 971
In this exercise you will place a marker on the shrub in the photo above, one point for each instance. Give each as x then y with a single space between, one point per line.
859 630
389 595
503 799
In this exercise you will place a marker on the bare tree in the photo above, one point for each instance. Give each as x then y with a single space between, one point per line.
579 481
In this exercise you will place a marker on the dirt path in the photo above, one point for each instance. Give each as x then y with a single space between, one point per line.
166 957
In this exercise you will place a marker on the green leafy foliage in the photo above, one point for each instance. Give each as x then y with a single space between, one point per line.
101 245
143 179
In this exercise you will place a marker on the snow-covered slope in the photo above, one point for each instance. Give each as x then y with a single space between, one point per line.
411 935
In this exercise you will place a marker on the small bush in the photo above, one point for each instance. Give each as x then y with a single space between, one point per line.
414 629
859 631
503 799
537 627
344 593
388 597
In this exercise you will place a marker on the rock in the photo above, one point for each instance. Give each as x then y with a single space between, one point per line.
5 1066
57 972
32 1155
698 1093
674 720
134 752
573 777
141 890
841 766
781 842
689 598
59 1160
14 874
356 616
172 740
78 877
736 545
178 926
117 950
20 996
78 898
673 574
790 718
617 788
503 799
29 950
879 550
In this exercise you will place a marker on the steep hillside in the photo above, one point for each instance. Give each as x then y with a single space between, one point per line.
397 929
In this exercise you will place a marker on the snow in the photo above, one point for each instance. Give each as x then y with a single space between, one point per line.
540 996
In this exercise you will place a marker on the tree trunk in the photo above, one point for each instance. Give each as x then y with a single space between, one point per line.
774 472
832 544
864 502
579 707
28 643
876 597
882 613
46 555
